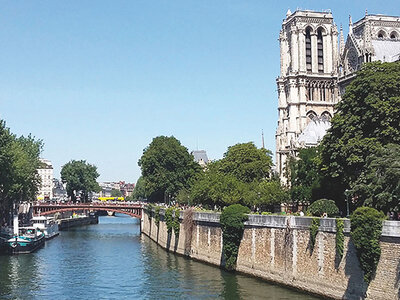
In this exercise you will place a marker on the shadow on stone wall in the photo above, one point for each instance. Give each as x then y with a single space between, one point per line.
169 237
397 284
338 260
356 286
176 242
188 225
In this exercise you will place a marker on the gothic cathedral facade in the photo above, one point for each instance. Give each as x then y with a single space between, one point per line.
315 68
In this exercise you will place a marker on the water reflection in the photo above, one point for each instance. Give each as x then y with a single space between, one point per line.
16 273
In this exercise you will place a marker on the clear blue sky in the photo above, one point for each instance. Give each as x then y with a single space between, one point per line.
97 80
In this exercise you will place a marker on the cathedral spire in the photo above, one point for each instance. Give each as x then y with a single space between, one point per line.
341 41
350 25
262 137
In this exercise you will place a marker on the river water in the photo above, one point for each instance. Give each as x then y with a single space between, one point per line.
112 260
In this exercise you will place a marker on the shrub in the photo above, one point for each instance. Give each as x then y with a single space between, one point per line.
319 207
366 230
339 238
232 224
172 220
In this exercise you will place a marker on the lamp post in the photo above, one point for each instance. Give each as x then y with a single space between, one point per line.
347 194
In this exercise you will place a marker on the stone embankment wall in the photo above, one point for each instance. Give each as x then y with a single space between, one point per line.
277 248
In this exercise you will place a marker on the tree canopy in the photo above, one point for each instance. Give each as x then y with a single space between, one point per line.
19 161
246 162
139 192
116 193
379 183
305 175
242 176
80 177
167 167
367 118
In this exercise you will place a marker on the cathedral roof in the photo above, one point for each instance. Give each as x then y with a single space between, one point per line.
314 132
386 50
200 155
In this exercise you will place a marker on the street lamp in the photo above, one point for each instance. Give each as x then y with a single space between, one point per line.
347 194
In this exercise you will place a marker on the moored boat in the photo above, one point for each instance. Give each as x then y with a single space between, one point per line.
27 240
47 225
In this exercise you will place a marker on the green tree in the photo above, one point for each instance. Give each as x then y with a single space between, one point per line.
217 188
379 183
367 118
167 167
305 177
19 160
246 162
242 176
269 194
139 192
116 193
80 177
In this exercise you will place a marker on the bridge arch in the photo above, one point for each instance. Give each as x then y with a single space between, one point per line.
61 210
45 210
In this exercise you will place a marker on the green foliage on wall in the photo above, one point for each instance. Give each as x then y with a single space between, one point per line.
366 229
339 238
313 232
319 207
172 220
232 224
157 215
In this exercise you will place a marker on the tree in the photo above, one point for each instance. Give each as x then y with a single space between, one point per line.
80 177
305 177
139 192
246 162
19 160
116 193
167 167
367 118
379 184
216 188
242 176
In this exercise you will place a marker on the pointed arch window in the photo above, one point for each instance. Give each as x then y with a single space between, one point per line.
308 50
320 48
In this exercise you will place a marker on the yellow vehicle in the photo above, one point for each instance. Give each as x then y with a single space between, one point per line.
111 198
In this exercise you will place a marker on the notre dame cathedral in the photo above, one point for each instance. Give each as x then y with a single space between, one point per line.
316 67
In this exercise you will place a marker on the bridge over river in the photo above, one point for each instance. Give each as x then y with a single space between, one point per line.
132 209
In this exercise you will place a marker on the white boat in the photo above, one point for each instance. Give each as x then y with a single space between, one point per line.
48 225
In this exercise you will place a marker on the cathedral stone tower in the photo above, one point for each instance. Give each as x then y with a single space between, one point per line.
307 85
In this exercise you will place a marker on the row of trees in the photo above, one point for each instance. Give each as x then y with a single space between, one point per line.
19 159
242 176
359 157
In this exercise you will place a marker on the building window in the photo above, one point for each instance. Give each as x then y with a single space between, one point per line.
310 91
308 50
381 34
320 52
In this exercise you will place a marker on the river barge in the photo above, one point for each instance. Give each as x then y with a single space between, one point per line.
47 225
28 240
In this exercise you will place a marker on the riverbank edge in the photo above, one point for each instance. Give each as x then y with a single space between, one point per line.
276 249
